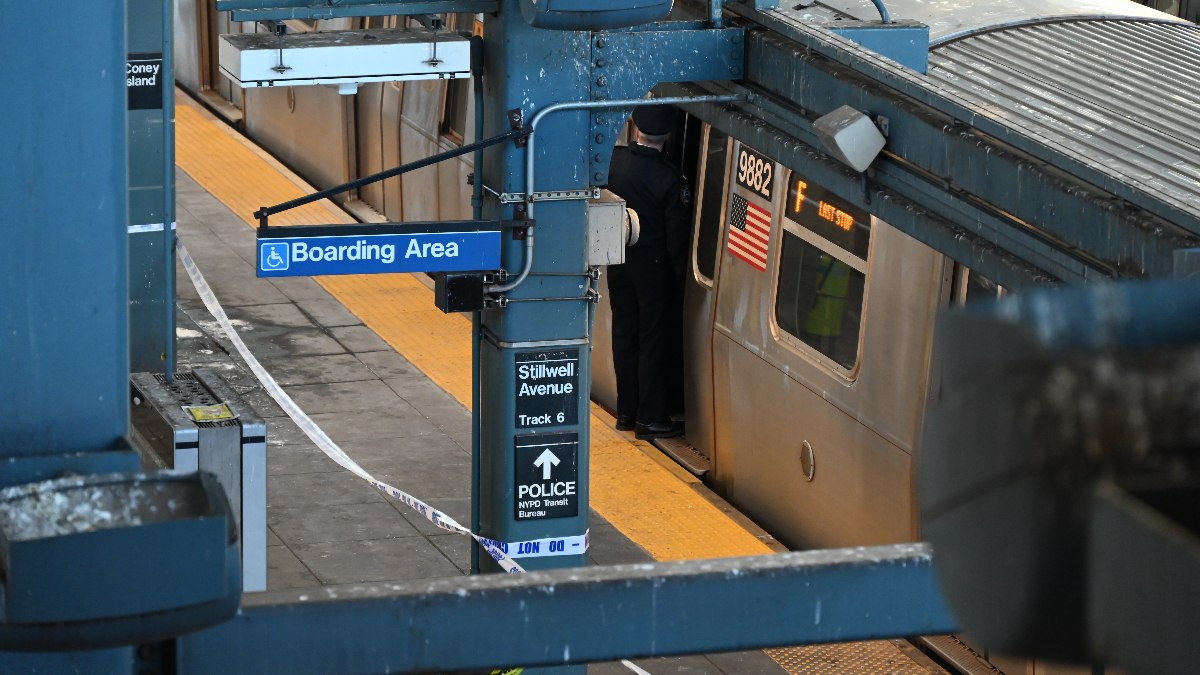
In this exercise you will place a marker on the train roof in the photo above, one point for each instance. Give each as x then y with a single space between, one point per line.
953 19
1119 95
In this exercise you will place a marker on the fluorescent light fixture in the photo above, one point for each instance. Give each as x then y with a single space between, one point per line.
343 58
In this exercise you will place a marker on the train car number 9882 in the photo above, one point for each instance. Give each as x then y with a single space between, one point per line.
755 172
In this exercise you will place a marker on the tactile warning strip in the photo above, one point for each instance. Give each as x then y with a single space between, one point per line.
879 657
637 495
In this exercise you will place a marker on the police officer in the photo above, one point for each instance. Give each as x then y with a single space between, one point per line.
647 290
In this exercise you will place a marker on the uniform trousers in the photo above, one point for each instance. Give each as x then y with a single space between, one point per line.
646 317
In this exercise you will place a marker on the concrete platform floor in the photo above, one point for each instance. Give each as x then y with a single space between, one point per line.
326 526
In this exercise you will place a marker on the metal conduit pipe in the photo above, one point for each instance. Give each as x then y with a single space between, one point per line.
883 12
527 265
476 336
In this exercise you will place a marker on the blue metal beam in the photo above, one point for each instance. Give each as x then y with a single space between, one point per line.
582 615
956 229
63 265
968 162
811 41
281 10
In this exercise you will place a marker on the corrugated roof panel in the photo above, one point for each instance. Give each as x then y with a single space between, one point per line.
1121 95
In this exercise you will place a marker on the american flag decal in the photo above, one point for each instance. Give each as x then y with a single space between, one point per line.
749 232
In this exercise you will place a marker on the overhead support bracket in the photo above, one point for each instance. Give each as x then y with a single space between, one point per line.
621 71
905 42
551 196
282 10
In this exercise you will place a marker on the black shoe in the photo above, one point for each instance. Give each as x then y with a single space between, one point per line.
626 423
647 432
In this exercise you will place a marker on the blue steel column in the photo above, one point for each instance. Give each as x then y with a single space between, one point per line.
63 315
529 69
151 189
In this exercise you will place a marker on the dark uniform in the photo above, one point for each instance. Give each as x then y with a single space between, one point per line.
647 291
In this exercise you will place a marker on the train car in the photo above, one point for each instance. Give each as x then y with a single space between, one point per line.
1187 9
809 359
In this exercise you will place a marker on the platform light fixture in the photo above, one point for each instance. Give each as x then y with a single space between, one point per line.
850 137
342 58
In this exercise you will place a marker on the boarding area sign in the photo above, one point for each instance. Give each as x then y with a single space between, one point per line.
444 246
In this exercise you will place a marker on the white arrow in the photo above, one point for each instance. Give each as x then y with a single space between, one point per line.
547 460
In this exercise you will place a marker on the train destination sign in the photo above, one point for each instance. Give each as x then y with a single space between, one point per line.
547 473
547 388
819 210
455 246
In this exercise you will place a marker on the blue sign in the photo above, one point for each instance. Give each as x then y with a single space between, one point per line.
377 249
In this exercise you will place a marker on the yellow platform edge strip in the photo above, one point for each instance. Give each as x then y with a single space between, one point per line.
645 501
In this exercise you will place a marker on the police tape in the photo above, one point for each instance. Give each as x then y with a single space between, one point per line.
495 549
148 227
498 550
542 548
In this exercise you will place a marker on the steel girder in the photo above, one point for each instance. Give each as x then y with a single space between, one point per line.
282 10
994 199
579 615
956 229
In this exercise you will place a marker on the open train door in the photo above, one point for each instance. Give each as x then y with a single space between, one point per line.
699 295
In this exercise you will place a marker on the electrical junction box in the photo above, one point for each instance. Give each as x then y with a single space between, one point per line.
607 230
458 291
345 58
199 423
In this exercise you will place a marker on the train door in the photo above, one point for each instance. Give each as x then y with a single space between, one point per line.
456 128
197 27
744 393
376 109
684 149
699 294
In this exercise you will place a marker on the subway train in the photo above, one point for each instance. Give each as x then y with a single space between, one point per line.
809 355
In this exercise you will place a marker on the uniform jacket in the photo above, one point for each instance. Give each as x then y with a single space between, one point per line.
654 187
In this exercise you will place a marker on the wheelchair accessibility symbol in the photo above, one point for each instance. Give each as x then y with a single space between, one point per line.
274 257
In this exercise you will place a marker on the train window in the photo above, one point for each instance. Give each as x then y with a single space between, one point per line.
708 227
822 271
970 286
454 115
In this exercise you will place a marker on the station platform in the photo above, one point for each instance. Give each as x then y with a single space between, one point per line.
387 376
